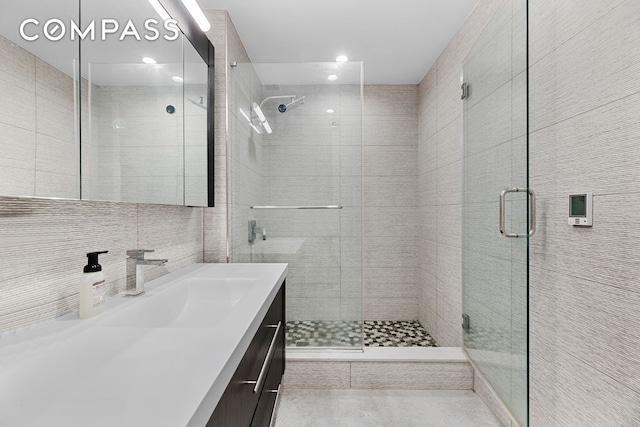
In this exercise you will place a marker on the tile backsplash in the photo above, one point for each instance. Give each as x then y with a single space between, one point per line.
43 246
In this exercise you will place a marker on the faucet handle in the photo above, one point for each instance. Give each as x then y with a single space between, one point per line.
138 253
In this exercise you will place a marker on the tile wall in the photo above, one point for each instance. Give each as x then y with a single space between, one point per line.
585 282
391 220
315 158
306 161
229 48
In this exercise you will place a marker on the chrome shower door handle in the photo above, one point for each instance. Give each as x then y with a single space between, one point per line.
532 212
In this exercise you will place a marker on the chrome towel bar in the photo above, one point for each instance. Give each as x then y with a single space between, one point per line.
297 207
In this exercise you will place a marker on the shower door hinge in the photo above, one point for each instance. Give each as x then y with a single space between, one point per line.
465 90
466 322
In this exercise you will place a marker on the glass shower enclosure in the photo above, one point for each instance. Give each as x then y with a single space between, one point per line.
499 206
295 191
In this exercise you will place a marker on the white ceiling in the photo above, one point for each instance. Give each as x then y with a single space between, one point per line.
398 40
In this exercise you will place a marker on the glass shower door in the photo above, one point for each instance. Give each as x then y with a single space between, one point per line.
295 156
497 216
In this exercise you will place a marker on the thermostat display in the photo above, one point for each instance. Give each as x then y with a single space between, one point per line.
580 209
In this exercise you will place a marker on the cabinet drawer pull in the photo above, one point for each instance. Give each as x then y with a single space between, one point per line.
267 360
273 412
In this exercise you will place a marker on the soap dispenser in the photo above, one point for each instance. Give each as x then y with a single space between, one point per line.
92 287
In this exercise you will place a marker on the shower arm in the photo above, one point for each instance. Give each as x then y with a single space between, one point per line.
291 97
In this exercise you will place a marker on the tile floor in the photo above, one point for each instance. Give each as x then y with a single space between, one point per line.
387 333
376 333
378 408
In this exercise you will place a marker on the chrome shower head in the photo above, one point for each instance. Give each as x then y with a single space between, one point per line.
283 108
293 102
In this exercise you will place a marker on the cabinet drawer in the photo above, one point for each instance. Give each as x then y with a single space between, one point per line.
237 405
267 401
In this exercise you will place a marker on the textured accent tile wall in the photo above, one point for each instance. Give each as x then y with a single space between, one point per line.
585 286
44 246
388 374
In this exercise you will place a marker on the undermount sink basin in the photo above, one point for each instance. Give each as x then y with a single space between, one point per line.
191 303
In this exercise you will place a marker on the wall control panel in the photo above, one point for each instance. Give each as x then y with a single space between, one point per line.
581 209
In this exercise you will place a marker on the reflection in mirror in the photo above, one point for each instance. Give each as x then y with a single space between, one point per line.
130 123
38 138
195 128
132 147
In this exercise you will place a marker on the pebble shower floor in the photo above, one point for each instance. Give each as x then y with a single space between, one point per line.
377 333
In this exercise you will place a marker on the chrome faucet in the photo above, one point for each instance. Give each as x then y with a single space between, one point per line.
135 270
254 229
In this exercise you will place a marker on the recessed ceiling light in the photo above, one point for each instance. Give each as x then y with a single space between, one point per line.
331 111
342 58
177 79
332 78
148 60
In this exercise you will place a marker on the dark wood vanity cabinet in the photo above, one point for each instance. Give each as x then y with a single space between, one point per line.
250 397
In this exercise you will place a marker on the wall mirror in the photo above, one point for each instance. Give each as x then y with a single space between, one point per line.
118 110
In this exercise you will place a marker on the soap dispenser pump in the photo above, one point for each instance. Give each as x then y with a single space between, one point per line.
92 287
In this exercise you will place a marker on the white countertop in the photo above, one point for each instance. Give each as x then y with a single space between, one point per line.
89 373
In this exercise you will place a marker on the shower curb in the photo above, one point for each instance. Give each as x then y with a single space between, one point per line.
399 368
